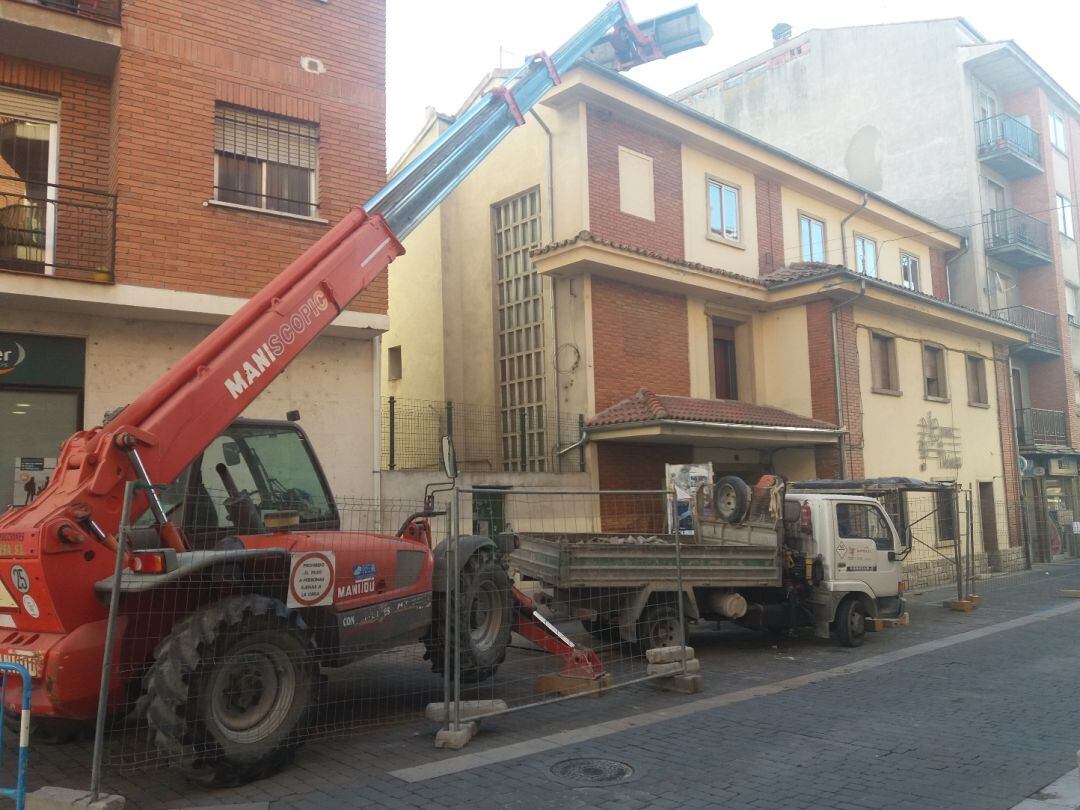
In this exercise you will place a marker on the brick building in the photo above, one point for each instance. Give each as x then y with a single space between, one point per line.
158 165
991 154
697 295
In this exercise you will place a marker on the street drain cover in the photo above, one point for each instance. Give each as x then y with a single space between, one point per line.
593 771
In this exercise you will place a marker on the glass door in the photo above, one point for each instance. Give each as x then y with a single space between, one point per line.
33 426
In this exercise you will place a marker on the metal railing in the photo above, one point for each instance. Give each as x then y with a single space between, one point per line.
1040 426
53 229
9 668
1003 132
1044 325
1012 228
103 10
486 438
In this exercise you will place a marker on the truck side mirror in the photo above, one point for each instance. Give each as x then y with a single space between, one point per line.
231 452
449 459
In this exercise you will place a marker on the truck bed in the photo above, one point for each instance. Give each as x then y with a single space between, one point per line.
568 561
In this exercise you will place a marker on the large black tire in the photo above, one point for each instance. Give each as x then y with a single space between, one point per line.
731 499
850 623
485 618
232 690
659 627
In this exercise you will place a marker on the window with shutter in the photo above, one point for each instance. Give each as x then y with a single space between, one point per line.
936 386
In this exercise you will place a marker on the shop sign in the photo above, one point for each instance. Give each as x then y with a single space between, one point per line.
41 360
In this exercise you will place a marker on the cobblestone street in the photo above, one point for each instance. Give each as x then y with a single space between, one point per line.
956 710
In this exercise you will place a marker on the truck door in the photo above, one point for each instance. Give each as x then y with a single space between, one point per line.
861 548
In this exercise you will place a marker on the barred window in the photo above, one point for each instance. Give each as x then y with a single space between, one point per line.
265 161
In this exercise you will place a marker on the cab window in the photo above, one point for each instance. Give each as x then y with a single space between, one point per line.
863 521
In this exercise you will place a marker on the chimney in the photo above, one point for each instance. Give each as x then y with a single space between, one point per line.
781 32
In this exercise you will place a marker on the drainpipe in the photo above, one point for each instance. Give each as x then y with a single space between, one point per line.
551 281
965 246
843 222
836 373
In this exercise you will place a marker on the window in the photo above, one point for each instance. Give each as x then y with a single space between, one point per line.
1065 216
976 380
863 521
265 161
724 374
935 385
733 81
636 184
1072 302
757 70
865 256
1057 130
812 238
886 380
945 516
393 363
723 210
909 270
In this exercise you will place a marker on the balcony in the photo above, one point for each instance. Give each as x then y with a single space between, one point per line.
1035 426
1016 238
56 230
79 34
1008 146
1043 325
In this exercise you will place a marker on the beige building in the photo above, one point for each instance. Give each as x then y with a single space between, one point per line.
686 293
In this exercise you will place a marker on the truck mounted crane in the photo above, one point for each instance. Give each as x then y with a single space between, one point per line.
184 650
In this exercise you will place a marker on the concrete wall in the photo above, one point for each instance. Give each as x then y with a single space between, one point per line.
331 384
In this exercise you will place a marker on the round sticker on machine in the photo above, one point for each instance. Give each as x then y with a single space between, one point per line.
20 579
30 605
312 579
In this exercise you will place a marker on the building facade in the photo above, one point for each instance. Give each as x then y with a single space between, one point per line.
158 165
685 289
977 136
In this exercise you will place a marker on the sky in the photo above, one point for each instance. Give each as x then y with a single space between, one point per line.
438 50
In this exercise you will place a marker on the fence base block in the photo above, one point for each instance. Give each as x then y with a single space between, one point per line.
448 738
665 655
683 684
438 712
564 685
58 798
674 668
962 605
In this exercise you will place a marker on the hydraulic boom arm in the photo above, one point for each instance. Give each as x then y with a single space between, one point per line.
164 429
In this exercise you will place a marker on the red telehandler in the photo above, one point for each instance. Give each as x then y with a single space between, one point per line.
227 669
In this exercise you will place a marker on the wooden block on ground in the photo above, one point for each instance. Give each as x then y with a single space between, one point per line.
963 605
1071 593
565 685
975 599
683 684
898 621
665 655
674 668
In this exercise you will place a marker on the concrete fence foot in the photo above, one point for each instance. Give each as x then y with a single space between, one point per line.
459 738
58 798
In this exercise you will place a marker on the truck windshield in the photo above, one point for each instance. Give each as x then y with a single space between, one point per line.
863 521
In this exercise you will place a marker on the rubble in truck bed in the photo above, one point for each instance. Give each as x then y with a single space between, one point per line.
611 539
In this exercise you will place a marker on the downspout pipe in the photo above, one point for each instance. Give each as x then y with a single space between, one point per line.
836 375
843 222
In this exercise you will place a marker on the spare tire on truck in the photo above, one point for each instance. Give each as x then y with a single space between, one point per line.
484 620
232 690
731 499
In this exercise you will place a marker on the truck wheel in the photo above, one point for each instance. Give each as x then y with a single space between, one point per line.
851 622
486 614
232 690
660 627
604 632
731 498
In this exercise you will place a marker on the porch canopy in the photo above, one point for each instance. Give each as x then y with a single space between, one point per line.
648 418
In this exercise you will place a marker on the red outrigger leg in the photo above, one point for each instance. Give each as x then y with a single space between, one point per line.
581 662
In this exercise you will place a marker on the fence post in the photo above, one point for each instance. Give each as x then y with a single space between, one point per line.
450 419
522 446
956 547
673 508
392 403
581 446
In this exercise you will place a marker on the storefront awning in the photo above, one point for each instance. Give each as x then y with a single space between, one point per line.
650 418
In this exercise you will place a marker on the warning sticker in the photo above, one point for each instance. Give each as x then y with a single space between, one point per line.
311 579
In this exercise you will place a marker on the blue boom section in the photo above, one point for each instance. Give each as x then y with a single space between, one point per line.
430 177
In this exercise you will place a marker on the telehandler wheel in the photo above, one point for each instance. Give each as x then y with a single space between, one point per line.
659 627
850 623
232 690
486 614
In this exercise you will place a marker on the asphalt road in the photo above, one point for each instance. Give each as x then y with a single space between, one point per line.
976 710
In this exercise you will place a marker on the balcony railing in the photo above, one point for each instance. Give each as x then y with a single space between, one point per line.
104 10
56 230
1044 325
1008 145
1037 426
1016 238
